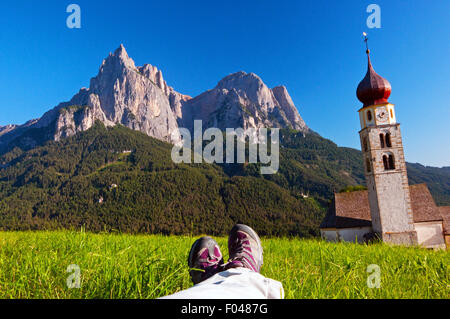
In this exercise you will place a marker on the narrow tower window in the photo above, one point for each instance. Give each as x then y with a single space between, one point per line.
385 162
391 162
365 147
388 140
392 114
382 140
368 165
369 116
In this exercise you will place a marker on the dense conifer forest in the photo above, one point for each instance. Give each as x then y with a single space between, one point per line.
117 179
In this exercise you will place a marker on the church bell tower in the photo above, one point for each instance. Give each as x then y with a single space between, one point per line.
384 161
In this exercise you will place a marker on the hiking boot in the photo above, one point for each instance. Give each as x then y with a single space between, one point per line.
245 248
205 259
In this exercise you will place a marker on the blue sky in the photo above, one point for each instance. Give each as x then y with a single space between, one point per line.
314 48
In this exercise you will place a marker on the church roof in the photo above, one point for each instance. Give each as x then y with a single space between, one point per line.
352 209
423 205
348 210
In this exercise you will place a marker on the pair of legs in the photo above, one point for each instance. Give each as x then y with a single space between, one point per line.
239 278
244 247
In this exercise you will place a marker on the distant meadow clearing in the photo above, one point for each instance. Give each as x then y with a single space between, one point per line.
42 264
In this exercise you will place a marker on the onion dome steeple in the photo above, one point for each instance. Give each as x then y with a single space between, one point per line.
373 89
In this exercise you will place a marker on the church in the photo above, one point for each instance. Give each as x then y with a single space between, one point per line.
390 208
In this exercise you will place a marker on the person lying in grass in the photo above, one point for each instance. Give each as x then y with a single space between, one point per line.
239 278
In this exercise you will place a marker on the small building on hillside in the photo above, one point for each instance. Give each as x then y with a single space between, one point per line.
349 218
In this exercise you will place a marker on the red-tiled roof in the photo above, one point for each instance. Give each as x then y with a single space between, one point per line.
423 205
352 209
348 210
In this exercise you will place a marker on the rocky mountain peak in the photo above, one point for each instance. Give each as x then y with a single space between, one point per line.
243 100
115 65
121 57
120 94
121 51
138 97
240 80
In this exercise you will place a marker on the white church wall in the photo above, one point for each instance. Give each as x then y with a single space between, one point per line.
353 234
328 234
430 234
346 234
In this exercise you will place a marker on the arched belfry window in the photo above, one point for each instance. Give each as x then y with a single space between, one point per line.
388 140
382 140
389 162
369 116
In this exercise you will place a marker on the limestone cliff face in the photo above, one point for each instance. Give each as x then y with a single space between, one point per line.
140 98
176 100
121 93
288 107
243 100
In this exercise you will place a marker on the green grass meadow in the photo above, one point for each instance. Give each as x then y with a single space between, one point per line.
34 265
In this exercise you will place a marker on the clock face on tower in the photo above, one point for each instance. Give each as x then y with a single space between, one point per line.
382 114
